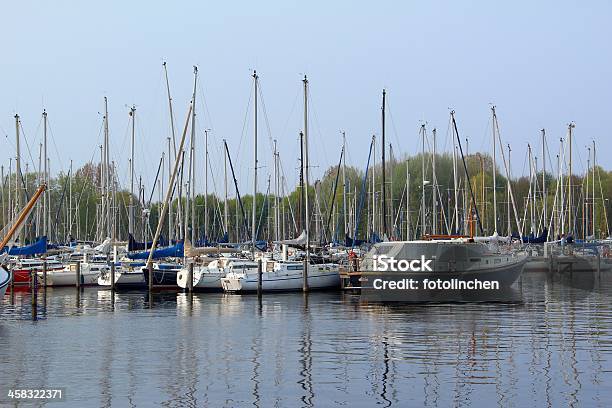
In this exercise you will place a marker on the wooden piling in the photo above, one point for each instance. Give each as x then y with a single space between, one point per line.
78 274
112 275
190 277
259 278
44 273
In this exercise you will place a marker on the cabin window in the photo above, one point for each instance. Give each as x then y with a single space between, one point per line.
474 259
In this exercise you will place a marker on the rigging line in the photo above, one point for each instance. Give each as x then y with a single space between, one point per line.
265 112
59 158
203 104
312 110
244 123
284 184
293 106
25 138
395 133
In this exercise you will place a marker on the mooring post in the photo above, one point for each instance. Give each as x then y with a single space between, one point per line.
150 272
305 275
190 277
45 273
34 279
259 278
112 275
78 274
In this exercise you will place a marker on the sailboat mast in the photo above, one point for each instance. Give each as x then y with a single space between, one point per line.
344 210
407 202
131 209
192 161
254 209
531 187
455 179
423 181
45 177
384 184
170 226
276 189
434 217
18 173
494 126
593 178
225 209
170 223
306 184
106 171
206 184
508 184
544 197
569 183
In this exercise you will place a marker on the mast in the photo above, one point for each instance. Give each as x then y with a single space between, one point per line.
45 177
455 180
585 198
434 217
407 202
206 184
531 186
593 178
306 184
254 210
106 172
423 180
192 161
569 183
508 183
131 209
562 201
276 192
494 125
373 186
225 209
170 226
384 185
70 205
344 182
544 198
18 174
170 223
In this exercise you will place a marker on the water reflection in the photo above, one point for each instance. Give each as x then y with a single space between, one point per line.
550 348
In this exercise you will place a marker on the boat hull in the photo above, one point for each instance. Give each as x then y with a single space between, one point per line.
203 279
283 281
5 280
124 280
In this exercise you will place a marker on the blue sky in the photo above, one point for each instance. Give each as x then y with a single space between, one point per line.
543 64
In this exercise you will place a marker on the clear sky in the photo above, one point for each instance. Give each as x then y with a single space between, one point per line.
542 63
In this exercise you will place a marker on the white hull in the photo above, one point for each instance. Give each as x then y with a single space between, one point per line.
283 280
126 279
202 278
5 281
67 276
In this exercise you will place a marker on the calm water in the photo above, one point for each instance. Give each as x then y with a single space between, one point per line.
551 348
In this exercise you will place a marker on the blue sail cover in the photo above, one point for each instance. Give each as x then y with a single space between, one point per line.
38 247
172 251
531 239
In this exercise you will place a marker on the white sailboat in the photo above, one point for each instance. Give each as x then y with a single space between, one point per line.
283 276
208 277
287 275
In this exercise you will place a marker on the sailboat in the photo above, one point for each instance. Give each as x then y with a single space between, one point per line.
285 275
